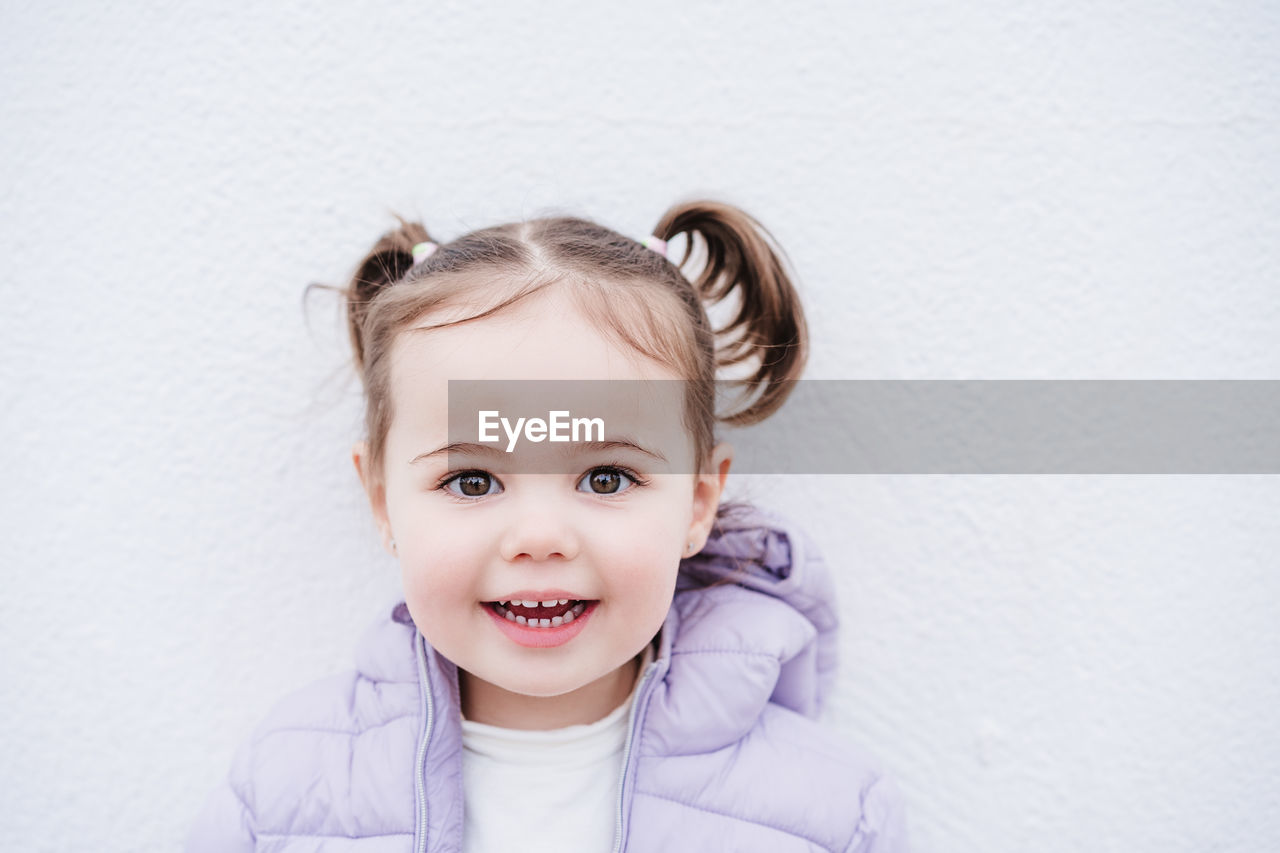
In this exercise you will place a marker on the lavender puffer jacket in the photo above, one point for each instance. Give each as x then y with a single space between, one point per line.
723 750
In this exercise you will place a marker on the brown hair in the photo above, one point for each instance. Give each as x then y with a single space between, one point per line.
652 306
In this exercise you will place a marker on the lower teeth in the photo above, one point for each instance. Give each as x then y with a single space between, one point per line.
574 613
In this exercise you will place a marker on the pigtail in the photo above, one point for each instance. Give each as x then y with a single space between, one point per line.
769 325
385 264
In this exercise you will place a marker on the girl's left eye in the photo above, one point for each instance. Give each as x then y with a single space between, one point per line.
607 481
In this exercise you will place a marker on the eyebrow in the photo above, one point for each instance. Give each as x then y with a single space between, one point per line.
494 450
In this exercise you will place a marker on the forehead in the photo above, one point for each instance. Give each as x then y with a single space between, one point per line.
542 337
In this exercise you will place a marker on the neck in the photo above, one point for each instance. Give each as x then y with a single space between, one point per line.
484 702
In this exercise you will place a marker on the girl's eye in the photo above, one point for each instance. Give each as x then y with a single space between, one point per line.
472 484
606 481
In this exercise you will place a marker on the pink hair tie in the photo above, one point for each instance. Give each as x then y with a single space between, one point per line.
656 244
422 251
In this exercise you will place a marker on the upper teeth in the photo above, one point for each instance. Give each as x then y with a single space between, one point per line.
551 603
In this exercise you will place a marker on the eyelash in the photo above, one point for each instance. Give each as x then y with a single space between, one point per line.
442 485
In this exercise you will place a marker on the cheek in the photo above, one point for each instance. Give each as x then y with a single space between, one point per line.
439 583
441 597
646 569
657 528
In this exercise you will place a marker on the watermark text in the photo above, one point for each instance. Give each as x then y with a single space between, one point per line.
558 426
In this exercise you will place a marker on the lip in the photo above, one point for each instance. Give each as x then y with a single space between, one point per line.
541 595
542 638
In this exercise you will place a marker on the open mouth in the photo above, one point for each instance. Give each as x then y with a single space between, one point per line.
540 614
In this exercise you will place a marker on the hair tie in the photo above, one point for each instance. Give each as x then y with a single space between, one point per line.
422 251
656 244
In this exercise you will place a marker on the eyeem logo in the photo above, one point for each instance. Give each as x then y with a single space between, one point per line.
557 427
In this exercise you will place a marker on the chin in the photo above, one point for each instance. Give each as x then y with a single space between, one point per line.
540 688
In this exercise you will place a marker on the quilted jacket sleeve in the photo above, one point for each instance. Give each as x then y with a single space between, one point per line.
882 827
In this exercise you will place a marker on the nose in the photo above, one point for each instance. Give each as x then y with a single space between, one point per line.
539 529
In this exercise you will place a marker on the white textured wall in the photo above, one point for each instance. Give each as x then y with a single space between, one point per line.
1038 190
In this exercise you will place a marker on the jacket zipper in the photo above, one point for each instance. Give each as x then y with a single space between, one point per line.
642 695
419 785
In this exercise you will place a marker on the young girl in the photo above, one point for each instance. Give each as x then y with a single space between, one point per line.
592 656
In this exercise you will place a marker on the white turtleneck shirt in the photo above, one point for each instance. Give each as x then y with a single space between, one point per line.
552 791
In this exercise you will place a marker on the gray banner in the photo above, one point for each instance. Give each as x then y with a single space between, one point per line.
923 426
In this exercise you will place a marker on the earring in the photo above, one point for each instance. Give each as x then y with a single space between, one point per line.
689 548
393 546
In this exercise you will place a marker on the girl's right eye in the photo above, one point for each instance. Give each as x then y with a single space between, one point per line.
471 484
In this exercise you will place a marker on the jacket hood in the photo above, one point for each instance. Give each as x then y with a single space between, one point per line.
753 620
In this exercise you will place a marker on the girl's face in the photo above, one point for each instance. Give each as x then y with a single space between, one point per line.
471 528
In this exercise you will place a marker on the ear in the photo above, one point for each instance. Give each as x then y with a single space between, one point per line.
707 488
376 491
